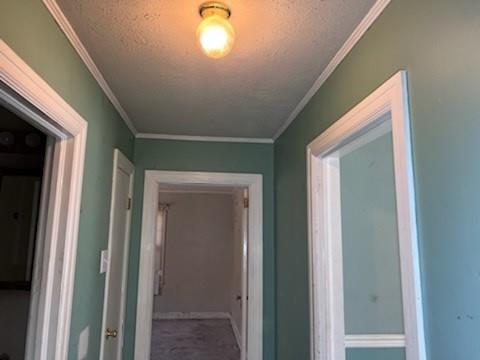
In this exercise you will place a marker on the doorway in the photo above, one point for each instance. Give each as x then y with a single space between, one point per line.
27 95
198 292
225 300
364 263
22 159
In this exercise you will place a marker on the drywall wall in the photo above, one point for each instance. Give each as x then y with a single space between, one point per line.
211 157
371 262
199 253
436 42
29 29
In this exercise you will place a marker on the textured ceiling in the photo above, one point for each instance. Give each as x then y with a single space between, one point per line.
147 52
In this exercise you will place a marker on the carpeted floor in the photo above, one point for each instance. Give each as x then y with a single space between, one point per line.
193 340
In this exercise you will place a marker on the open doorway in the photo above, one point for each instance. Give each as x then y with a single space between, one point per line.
200 280
22 158
199 271
53 248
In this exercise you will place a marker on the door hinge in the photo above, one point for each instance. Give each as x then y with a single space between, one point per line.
129 203
245 203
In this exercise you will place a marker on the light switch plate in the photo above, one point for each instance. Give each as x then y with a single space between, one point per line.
103 261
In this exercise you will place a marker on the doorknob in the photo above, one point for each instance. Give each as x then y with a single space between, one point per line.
111 333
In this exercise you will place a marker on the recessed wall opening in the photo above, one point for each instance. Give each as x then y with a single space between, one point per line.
365 280
22 159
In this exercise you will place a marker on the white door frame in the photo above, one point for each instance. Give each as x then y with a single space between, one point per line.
386 107
27 94
153 180
120 163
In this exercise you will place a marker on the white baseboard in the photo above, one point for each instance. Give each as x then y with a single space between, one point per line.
236 332
190 315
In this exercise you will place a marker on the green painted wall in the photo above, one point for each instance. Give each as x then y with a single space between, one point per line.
214 157
372 286
436 41
376 354
28 28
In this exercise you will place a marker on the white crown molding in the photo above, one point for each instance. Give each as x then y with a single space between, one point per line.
204 138
352 40
71 35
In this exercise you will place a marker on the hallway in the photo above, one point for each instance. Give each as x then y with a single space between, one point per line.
353 124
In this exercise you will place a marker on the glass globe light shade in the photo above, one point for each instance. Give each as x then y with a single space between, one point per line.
216 36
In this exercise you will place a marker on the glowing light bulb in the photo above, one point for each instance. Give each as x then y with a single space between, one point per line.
215 33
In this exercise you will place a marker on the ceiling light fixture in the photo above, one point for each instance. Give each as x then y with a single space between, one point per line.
215 33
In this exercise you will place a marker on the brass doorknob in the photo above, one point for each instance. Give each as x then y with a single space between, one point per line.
111 333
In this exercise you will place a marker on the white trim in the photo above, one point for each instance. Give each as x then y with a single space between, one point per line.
375 341
327 336
236 332
23 91
120 162
153 181
245 278
197 192
190 315
352 40
204 138
77 44
17 75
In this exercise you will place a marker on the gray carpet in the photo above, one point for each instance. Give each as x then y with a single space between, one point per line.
193 340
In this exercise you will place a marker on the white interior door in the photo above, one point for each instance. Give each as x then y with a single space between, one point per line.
115 286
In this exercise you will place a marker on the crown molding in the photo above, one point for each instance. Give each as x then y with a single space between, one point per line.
71 35
204 138
352 40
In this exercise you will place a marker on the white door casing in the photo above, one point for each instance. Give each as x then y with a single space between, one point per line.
153 180
28 95
244 291
118 249
385 108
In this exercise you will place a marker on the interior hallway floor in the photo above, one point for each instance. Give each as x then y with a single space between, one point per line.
193 340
